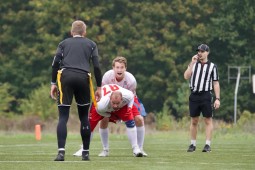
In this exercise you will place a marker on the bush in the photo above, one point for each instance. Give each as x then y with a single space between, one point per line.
246 122
39 104
164 119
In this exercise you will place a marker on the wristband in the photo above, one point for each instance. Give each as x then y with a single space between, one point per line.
217 99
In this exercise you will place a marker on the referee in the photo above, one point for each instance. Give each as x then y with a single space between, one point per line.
70 77
203 78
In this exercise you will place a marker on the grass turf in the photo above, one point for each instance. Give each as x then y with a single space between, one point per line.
166 150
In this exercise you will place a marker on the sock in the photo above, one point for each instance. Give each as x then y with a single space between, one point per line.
140 136
91 136
193 142
61 149
208 142
132 136
104 133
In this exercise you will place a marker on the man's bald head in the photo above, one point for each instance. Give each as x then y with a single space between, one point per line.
116 99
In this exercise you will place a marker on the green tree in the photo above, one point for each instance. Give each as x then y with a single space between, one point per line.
7 100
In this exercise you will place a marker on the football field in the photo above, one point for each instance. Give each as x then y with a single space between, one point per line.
166 150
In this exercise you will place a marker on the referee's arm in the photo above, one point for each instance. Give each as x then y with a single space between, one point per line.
216 87
188 72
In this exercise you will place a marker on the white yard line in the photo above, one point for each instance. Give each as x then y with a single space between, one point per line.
103 161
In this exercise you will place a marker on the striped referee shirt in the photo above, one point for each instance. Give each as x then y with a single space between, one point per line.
203 74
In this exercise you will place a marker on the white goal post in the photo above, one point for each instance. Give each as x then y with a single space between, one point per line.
244 70
253 83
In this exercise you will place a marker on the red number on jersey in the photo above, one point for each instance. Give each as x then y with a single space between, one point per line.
109 88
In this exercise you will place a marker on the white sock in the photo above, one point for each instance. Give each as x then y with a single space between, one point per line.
61 149
132 136
193 142
104 138
91 136
140 136
208 142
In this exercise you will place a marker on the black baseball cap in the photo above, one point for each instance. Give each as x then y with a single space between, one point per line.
203 47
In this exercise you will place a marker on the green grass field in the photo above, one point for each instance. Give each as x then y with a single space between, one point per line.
166 150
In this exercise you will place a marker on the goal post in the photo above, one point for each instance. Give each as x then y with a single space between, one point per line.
243 72
253 83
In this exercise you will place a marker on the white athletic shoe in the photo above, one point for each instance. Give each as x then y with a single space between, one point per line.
104 153
137 152
79 152
144 153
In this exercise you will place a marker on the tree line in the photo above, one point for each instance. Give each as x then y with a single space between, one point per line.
157 38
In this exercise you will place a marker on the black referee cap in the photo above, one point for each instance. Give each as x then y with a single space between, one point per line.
203 47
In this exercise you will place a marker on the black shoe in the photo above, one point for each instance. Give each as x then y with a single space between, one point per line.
191 148
85 155
60 156
207 148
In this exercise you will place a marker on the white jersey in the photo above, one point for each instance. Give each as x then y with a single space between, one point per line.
128 82
104 106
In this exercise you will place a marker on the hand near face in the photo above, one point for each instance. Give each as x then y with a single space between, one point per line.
194 58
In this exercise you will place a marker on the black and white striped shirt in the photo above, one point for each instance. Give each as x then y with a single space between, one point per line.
202 76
